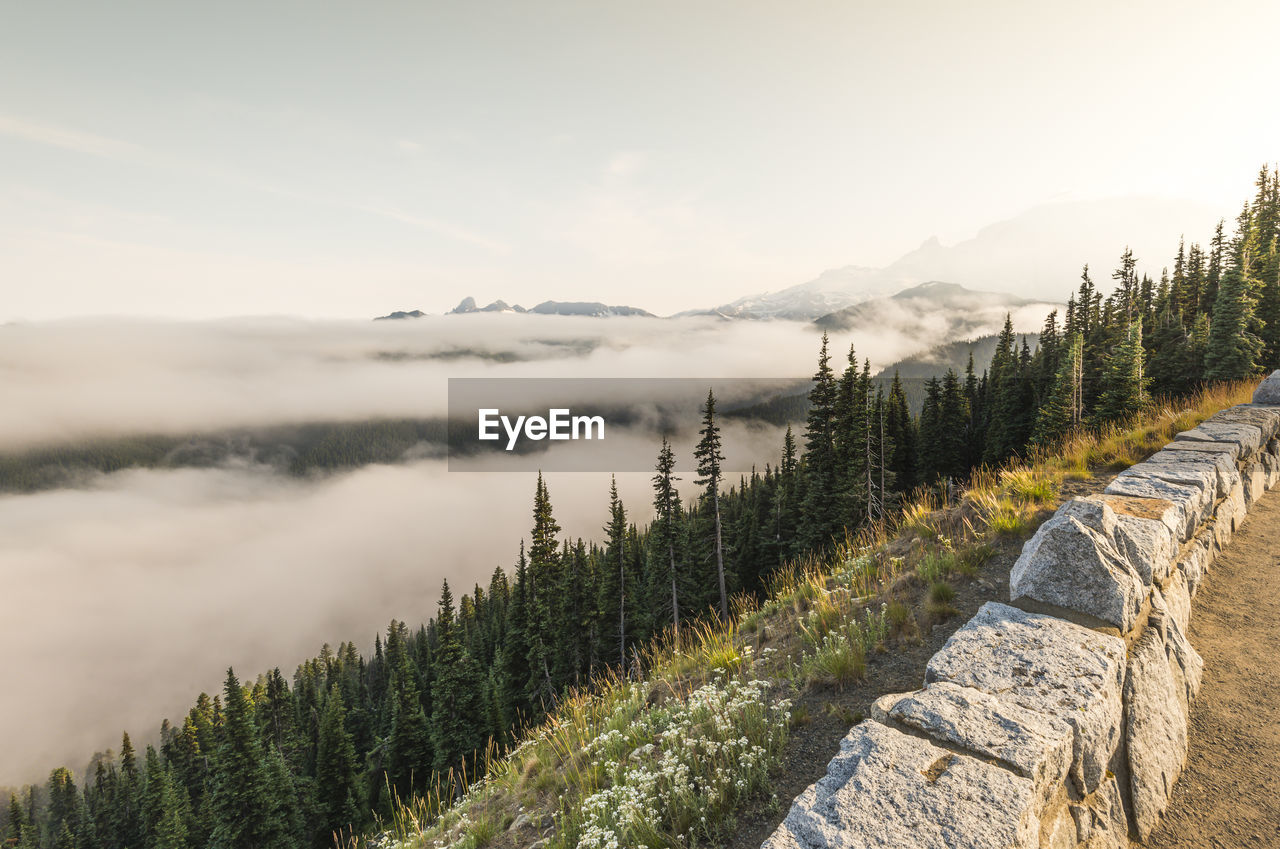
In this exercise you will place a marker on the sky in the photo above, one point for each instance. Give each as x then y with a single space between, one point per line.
343 160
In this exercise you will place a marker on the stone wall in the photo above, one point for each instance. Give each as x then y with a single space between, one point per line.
1059 720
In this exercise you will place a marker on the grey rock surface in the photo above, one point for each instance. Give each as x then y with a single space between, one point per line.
889 790
1047 665
1234 507
1231 449
1200 483
1185 662
1058 829
1271 465
1155 731
1228 516
1268 391
1100 819
1248 437
1033 745
1176 596
1187 501
1265 418
1197 475
1221 462
1254 479
1193 562
1072 566
1144 531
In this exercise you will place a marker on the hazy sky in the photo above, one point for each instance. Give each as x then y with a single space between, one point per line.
328 159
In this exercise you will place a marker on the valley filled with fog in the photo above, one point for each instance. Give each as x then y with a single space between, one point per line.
130 591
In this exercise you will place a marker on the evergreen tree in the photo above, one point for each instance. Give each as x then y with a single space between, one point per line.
666 505
544 582
1061 410
246 810
1005 431
337 784
1213 270
408 744
151 794
1124 386
785 507
172 828
821 516
709 459
953 419
64 811
127 802
901 428
931 436
516 706
17 819
1234 346
615 583
457 730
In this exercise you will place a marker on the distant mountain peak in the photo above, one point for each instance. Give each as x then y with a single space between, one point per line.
468 305
1035 254
594 309
400 314
587 308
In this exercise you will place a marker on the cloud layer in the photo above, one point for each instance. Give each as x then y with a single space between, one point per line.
127 596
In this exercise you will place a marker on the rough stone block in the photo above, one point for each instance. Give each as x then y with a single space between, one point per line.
1224 467
1184 661
1268 391
1193 563
1155 731
1187 500
1265 418
1233 508
1176 596
1047 665
1058 829
1100 819
1072 566
1231 449
1254 479
1143 530
1248 437
1223 528
1271 464
1033 745
889 790
1208 540
1197 477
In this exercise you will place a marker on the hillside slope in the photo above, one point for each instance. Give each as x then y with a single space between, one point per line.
729 722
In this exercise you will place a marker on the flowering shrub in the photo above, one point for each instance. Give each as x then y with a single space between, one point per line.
679 769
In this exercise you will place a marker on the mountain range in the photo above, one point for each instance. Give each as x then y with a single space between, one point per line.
1036 255
589 309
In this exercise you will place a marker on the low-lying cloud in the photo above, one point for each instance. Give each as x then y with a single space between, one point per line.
67 381
125 599
127 595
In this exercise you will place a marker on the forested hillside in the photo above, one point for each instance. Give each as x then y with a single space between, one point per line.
288 761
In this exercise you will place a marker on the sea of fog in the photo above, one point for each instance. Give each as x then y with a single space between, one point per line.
125 595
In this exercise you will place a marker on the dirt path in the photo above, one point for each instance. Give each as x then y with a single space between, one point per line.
1229 794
